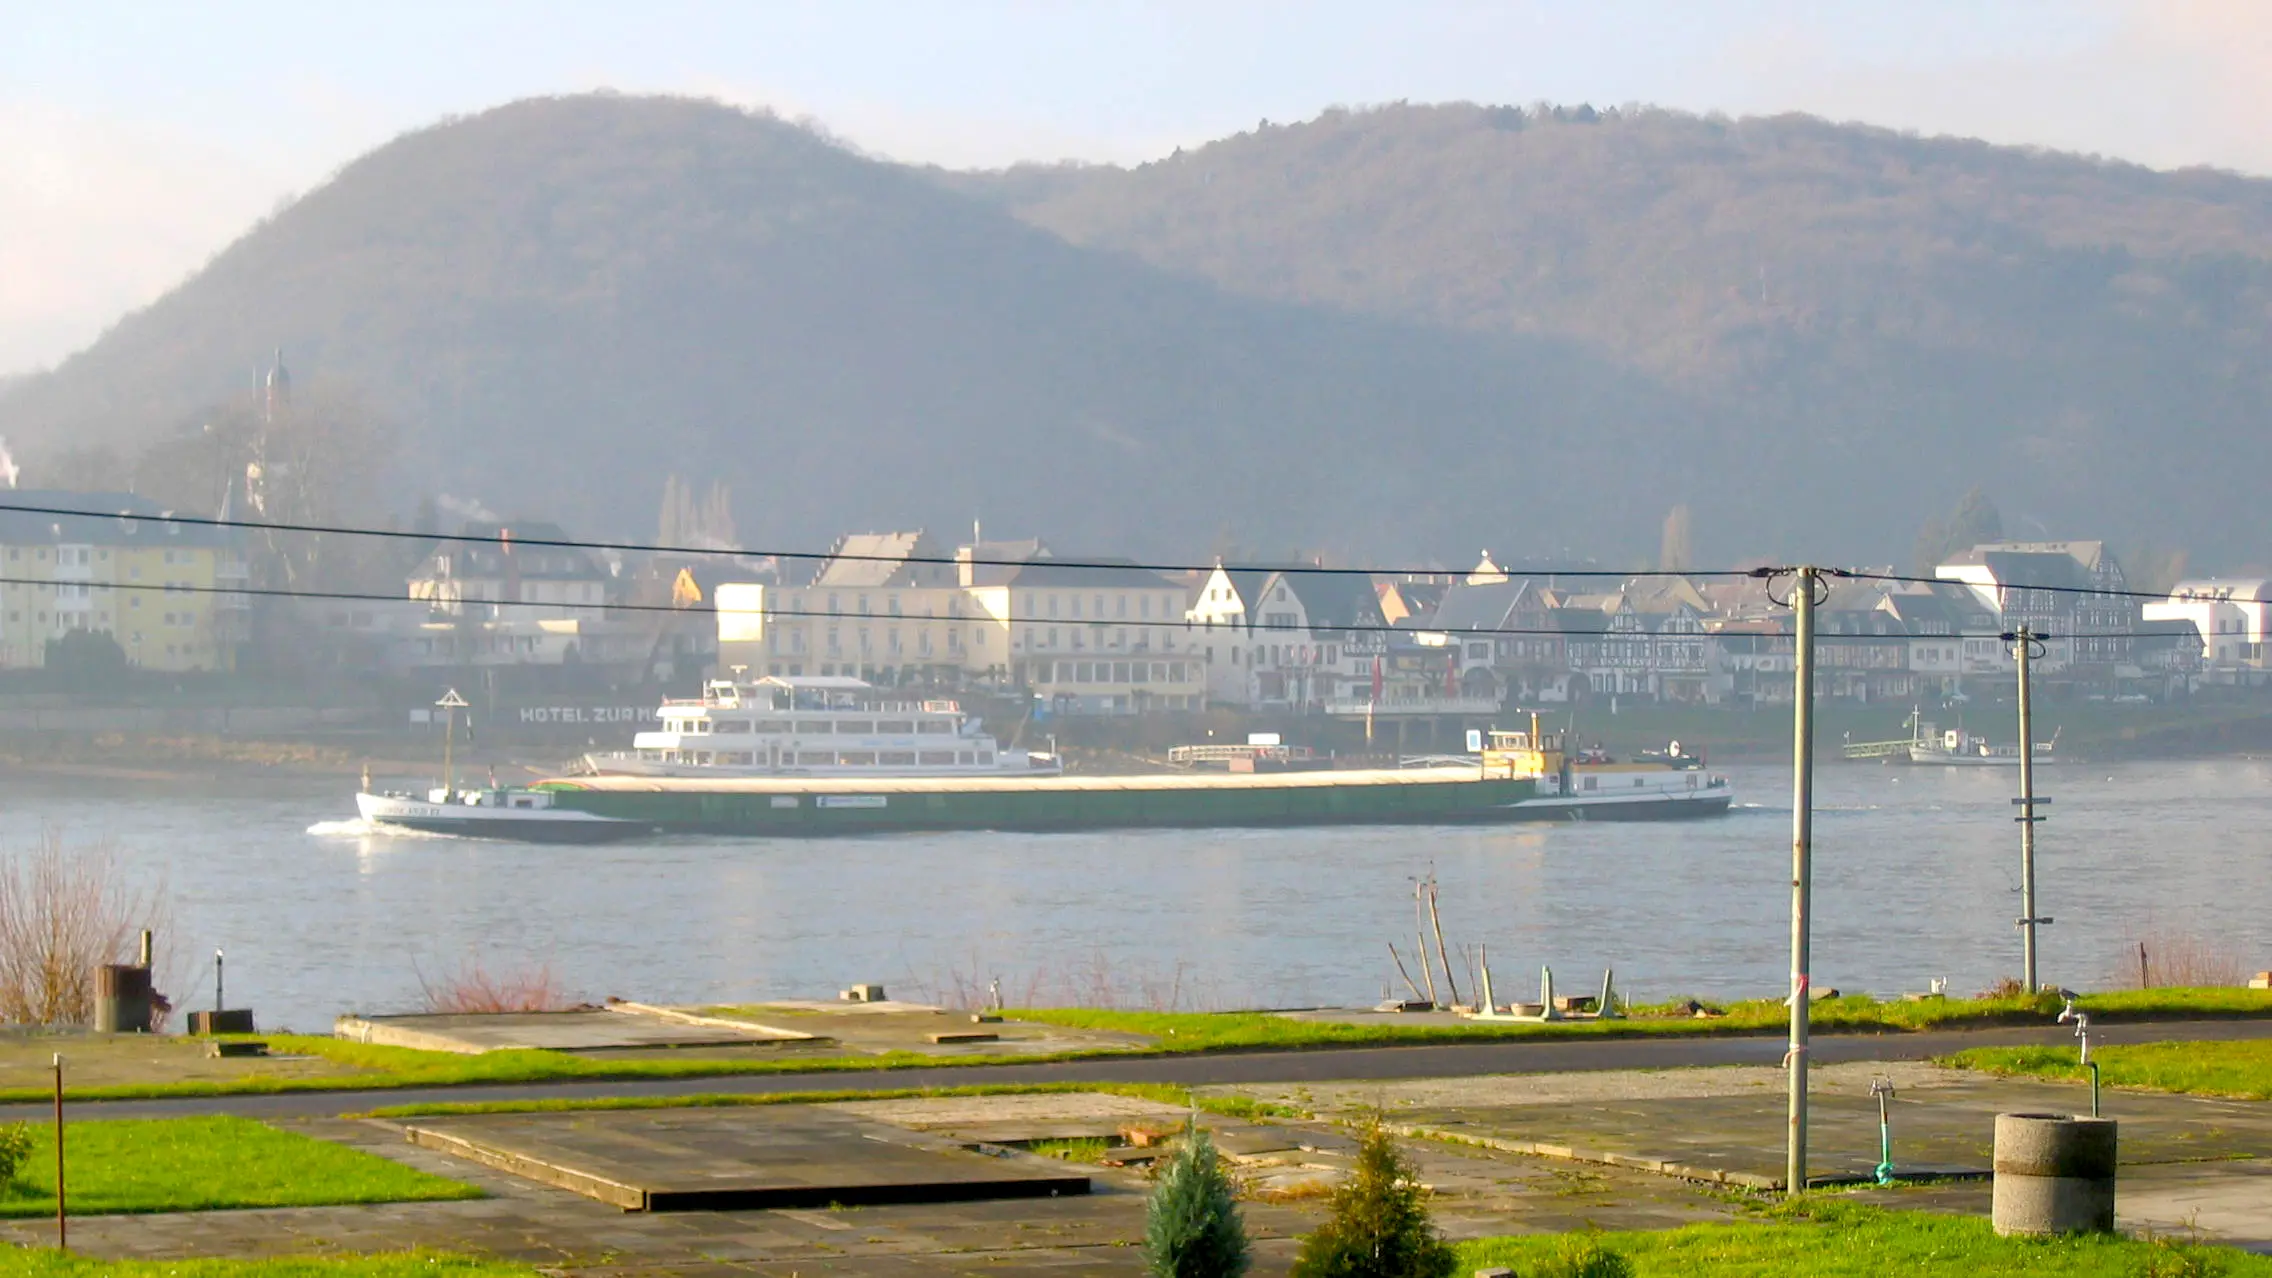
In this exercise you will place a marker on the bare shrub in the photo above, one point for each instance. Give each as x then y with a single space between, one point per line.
2166 958
65 911
473 987
2004 987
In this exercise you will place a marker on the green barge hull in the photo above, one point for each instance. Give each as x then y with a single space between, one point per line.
783 806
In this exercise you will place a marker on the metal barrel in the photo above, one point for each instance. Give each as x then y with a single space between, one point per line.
122 999
2054 1174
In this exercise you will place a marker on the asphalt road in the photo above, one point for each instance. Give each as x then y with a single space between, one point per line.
1321 1065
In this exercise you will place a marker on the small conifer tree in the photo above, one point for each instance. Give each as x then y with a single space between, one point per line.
1192 1227
1380 1226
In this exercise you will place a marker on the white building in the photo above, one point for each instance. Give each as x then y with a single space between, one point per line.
2230 614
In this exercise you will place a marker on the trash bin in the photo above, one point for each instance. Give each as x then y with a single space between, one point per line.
122 999
2054 1174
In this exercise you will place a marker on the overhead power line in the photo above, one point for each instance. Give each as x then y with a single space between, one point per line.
1862 574
507 538
711 609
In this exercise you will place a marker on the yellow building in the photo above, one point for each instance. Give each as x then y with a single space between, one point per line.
167 592
1097 638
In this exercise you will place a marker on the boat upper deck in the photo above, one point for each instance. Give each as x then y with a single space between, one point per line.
1007 784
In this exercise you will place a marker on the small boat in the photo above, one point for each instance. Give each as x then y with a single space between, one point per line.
504 812
1957 748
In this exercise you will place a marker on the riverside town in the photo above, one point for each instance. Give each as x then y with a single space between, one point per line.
1504 640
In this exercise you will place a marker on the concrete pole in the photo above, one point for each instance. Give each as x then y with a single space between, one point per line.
1802 874
2023 642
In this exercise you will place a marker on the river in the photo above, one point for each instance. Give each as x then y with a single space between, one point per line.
1917 877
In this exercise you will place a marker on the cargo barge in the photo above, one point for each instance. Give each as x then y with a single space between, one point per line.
1512 779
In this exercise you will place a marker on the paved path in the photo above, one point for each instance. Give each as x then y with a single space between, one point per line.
1215 1069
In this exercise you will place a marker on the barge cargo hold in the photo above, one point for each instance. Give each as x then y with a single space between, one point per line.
830 805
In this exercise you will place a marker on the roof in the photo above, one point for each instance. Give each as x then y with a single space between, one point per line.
488 556
1337 600
1087 573
880 559
1578 619
1478 607
2236 589
100 526
2022 568
994 563
816 683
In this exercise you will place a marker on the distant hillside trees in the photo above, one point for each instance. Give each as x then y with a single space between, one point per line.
1974 520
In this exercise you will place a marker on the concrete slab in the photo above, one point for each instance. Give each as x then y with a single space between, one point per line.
918 1028
1716 1126
785 1156
957 1113
580 1031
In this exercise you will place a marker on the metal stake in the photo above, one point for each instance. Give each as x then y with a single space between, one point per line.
1802 876
62 1219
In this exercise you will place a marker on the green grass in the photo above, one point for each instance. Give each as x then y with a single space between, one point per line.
370 1066
1849 1240
204 1164
46 1262
1089 1149
1857 1013
2241 1070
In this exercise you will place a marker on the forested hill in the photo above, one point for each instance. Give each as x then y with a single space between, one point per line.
2086 339
1392 333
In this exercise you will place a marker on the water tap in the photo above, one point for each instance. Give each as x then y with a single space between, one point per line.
2071 1014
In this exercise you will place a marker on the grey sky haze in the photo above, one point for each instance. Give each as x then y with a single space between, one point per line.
138 139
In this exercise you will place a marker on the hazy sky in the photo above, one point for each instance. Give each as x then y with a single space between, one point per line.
138 139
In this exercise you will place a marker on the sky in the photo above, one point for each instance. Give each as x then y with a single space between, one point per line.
138 139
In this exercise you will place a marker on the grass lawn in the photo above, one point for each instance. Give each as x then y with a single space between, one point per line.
1847 1240
1230 1031
48 1263
373 1066
202 1164
2242 1070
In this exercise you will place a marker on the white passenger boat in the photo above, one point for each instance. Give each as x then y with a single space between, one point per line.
815 726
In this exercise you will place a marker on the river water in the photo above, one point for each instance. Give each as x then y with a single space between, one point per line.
1917 877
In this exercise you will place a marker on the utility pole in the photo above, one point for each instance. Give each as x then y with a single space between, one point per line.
2023 643
1802 872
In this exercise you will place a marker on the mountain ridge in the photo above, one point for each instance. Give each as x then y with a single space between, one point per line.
1396 333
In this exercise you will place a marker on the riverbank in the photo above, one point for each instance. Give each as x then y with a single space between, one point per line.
164 1068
